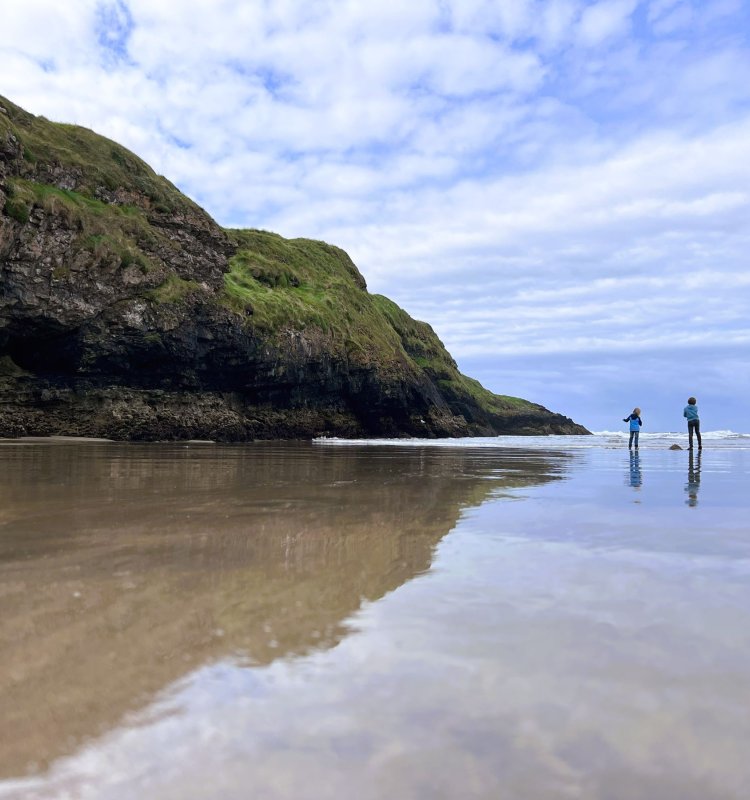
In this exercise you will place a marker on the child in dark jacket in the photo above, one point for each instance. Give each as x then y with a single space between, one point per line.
635 427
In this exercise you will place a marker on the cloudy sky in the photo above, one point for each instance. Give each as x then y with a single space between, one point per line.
561 188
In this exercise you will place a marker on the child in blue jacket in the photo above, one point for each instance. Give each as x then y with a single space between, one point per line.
635 427
694 425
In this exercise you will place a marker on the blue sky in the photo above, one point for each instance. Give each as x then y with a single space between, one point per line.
561 188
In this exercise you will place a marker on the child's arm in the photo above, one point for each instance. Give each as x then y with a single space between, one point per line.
640 421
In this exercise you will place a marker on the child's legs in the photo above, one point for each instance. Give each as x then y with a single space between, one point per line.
635 434
630 441
698 432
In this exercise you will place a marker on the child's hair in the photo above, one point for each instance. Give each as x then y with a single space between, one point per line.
636 410
691 401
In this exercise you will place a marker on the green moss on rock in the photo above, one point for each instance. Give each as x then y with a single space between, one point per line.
423 346
283 285
172 290
100 162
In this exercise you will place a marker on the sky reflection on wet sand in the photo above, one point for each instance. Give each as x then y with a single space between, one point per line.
291 621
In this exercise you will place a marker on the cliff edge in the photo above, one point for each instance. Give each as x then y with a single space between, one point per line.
126 312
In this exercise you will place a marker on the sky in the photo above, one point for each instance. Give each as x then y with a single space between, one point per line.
560 188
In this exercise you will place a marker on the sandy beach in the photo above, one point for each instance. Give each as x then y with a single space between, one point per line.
545 618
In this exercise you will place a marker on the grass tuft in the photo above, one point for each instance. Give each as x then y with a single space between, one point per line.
173 290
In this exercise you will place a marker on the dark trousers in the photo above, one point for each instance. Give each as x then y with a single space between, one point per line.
694 425
633 435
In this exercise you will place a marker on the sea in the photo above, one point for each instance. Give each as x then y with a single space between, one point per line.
599 440
538 618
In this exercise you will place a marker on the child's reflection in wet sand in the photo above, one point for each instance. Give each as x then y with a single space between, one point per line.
636 477
694 478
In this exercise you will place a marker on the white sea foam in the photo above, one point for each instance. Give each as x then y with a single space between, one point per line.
676 435
598 440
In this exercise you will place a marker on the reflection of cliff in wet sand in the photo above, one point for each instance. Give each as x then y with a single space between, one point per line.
122 568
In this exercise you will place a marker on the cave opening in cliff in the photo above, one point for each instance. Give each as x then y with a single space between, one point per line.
47 349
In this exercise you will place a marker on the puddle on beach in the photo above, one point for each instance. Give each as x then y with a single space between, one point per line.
308 621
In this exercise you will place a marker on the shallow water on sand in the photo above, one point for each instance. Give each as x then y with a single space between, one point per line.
452 620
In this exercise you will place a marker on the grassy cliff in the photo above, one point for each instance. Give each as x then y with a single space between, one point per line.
114 281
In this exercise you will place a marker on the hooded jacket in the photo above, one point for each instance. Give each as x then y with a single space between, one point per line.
635 422
691 412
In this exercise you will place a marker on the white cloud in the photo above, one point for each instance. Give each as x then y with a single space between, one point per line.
605 19
58 34
676 21
556 21
661 8
510 18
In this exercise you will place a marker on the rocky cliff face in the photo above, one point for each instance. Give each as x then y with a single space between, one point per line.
127 312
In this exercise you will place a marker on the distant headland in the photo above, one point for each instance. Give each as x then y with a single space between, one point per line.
127 312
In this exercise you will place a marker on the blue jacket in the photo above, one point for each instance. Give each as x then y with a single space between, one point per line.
635 422
691 412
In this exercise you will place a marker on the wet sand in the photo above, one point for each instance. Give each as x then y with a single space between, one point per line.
296 620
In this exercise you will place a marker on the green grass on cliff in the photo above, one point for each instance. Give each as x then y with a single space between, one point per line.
284 285
298 284
101 163
114 234
172 290
422 344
